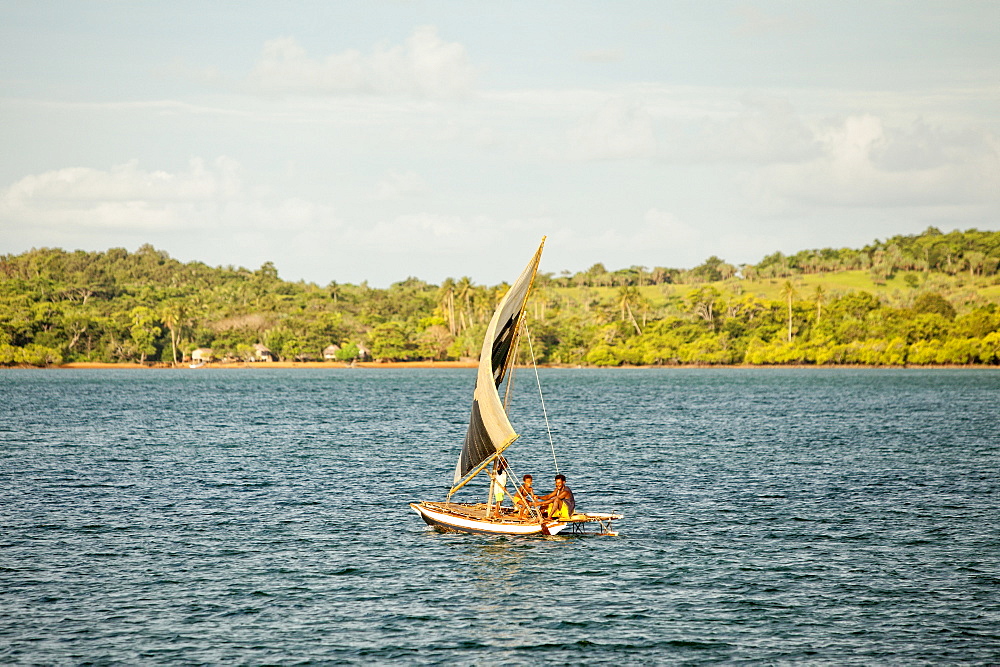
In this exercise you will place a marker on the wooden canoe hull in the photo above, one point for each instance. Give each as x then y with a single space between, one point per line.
461 518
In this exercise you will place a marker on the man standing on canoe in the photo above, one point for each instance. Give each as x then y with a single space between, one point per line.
560 502
498 484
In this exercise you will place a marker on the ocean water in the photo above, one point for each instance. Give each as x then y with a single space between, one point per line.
829 516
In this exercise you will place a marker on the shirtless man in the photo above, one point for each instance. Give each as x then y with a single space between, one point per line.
523 497
560 502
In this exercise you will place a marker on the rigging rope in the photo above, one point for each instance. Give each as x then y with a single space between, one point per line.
545 414
533 512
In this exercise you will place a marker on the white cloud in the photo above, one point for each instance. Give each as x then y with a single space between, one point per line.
127 182
863 163
423 66
755 23
120 198
659 238
284 66
666 229
429 233
399 185
128 199
618 130
602 56
683 126
764 130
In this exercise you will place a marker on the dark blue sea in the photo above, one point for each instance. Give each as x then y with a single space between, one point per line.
772 516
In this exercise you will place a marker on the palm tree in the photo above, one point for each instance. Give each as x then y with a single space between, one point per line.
463 290
640 270
627 295
446 302
702 303
819 296
172 315
975 260
481 304
539 299
788 292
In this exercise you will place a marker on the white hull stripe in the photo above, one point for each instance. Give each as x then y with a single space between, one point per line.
474 526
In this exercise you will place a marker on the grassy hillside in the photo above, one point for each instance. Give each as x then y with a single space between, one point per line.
932 298
962 291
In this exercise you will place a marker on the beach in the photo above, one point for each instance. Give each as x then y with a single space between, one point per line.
277 364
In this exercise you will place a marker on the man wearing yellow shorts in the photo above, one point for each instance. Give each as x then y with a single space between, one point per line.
560 504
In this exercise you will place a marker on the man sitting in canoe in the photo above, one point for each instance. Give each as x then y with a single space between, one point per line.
523 497
560 503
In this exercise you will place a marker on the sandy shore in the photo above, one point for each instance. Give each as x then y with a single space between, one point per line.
282 364
336 365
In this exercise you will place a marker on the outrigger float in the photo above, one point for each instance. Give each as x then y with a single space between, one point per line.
490 433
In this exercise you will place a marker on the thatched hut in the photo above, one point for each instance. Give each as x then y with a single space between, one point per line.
262 353
202 354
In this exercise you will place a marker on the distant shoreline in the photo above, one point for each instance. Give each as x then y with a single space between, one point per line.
97 365
331 365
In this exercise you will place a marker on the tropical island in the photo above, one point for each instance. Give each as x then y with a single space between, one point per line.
926 299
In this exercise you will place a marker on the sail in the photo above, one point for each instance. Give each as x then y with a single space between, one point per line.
490 431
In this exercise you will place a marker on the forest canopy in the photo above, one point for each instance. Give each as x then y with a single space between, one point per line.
930 298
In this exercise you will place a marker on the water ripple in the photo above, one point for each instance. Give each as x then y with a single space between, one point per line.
774 516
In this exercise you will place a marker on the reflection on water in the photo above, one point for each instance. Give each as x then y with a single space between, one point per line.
495 563
494 566
506 591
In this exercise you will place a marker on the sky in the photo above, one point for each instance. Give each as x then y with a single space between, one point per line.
350 141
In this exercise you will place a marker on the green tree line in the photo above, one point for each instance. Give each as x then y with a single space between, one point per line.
930 298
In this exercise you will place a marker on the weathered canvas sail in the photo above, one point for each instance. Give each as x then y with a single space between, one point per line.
490 432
